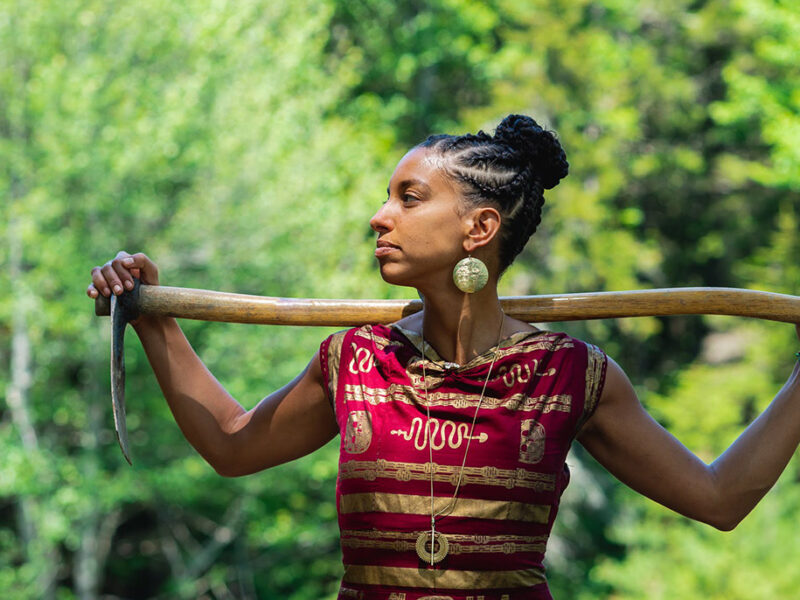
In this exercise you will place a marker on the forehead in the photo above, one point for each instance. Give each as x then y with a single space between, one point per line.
422 166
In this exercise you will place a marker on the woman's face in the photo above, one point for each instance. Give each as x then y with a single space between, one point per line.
421 227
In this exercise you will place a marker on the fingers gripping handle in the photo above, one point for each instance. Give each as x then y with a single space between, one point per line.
122 309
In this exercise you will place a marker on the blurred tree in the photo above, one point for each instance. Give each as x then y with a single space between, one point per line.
157 126
420 64
244 146
677 172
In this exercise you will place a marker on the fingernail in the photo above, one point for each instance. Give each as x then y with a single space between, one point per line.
129 285
127 261
106 292
117 289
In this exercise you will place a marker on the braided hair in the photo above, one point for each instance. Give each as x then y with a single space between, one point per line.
508 171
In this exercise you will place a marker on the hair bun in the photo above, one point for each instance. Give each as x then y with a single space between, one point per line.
537 147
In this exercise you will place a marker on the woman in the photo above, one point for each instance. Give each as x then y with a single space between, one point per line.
455 422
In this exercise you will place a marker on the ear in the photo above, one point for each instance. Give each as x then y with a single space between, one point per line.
483 224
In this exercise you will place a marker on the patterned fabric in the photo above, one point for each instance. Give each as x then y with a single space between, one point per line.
542 388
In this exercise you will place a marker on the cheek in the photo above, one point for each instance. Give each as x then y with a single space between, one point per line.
447 235
439 247
431 240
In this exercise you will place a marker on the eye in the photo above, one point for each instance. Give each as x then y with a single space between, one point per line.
410 198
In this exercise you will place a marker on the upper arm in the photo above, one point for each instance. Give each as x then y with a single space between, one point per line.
628 442
288 424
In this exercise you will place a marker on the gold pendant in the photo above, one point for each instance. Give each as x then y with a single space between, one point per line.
432 552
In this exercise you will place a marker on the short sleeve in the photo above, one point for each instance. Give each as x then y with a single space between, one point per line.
596 364
330 355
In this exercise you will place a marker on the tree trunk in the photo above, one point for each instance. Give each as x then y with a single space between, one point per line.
90 560
39 550
98 529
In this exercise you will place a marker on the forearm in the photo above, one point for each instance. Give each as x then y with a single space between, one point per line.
204 411
753 463
642 454
287 424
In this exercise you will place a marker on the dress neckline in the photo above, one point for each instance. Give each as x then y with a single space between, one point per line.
415 339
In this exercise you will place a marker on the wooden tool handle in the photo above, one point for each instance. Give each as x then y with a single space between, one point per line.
208 305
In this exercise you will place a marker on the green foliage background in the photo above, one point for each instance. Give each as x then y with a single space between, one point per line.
244 146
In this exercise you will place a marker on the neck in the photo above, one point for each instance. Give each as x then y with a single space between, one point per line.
461 326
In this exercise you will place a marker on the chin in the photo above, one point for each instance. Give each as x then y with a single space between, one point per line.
393 275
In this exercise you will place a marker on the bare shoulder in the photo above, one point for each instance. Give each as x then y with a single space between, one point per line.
618 400
513 326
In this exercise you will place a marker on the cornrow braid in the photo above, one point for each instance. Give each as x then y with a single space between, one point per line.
508 171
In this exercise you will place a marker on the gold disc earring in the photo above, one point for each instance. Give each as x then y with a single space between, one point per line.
470 275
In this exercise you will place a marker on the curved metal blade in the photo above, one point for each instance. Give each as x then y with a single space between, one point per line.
118 323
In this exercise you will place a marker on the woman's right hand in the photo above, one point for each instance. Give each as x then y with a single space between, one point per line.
117 275
287 424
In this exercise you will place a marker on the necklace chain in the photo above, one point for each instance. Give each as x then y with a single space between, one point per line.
434 555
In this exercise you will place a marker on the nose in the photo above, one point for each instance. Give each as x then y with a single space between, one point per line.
381 221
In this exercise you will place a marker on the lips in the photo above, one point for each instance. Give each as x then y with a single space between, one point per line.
384 248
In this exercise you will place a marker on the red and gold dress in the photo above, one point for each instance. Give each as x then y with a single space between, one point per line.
542 388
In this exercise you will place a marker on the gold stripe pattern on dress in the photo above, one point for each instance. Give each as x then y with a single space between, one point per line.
379 341
475 508
549 345
545 404
400 541
408 395
449 578
370 470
